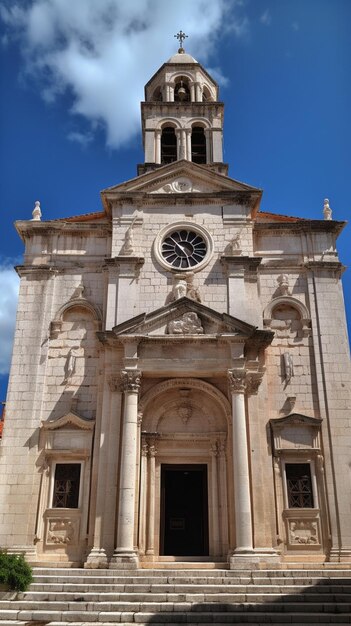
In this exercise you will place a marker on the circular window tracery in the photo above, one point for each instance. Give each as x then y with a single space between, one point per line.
183 247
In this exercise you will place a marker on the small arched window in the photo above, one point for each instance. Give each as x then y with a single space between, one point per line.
198 145
168 145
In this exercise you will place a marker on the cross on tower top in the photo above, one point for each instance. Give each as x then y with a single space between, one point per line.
181 36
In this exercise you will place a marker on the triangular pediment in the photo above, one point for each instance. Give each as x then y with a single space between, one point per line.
296 419
185 317
180 177
69 421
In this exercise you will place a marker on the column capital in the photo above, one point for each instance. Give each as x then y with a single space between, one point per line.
144 448
152 449
130 380
237 380
214 449
244 381
253 381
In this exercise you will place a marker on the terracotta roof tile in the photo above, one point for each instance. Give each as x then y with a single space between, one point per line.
85 217
277 217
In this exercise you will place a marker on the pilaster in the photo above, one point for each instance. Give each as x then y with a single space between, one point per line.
244 379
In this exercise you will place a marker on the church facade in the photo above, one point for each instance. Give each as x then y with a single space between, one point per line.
180 383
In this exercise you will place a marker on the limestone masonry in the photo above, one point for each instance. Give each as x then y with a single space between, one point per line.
180 382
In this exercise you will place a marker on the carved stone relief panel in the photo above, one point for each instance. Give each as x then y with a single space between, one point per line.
303 530
62 531
188 324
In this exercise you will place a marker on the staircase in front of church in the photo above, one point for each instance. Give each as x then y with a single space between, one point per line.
181 596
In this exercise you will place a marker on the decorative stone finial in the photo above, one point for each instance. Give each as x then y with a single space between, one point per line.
327 212
36 212
181 36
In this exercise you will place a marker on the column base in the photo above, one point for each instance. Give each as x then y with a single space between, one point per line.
254 558
124 559
97 559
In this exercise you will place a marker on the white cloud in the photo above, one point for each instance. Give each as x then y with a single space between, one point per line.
84 139
104 51
9 283
266 18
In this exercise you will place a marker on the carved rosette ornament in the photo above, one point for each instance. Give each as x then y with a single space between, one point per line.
130 380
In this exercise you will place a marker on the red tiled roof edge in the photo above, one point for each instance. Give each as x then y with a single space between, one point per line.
277 217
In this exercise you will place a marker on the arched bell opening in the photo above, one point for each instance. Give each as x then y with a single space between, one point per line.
157 95
181 90
183 500
168 145
198 145
206 95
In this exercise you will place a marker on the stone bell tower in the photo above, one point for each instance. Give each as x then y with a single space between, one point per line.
181 116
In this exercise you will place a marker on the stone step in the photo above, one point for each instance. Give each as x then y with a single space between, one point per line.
257 619
179 590
321 572
66 603
186 579
179 586
200 617
189 605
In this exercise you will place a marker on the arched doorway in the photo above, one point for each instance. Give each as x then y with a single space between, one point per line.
184 508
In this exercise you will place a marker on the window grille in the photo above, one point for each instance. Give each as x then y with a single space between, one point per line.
66 485
299 485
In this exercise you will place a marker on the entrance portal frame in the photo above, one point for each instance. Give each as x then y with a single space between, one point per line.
170 438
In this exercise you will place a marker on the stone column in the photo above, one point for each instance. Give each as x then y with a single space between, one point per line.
208 137
223 495
97 557
158 134
214 498
125 552
181 143
192 92
143 500
138 470
243 521
198 92
150 546
188 144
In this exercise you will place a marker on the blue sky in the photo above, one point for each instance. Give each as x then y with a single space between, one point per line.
72 77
